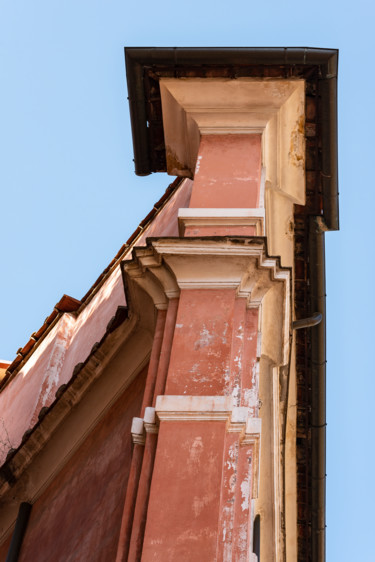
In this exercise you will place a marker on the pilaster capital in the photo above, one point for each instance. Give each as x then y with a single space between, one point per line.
167 265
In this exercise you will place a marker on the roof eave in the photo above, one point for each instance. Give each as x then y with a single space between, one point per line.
137 58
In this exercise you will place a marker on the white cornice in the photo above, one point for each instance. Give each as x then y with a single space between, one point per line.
168 265
197 408
198 217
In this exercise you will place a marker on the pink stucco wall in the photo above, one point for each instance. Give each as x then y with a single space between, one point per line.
71 341
78 516
200 358
185 486
227 172
194 467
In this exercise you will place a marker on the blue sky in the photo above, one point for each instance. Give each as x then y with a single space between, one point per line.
69 197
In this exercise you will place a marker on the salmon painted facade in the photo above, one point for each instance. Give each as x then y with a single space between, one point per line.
177 411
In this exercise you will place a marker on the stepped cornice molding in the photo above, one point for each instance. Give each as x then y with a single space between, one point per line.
167 265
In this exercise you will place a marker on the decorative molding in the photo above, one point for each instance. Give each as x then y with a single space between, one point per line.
252 437
237 421
138 431
167 265
231 130
150 420
145 280
198 217
197 408
274 108
225 246
253 430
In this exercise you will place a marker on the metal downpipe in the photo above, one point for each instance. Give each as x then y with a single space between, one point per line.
19 532
318 394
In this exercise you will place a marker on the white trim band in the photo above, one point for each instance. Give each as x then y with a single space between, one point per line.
197 408
200 217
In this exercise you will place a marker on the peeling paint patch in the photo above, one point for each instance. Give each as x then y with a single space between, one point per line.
245 493
250 397
194 369
242 543
198 164
224 336
240 332
227 554
200 503
232 453
196 450
205 339
238 362
296 153
175 166
236 393
156 541
255 373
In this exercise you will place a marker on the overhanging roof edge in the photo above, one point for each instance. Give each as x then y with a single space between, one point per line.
138 58
232 55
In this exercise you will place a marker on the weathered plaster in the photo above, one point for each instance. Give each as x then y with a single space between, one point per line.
70 342
187 476
216 312
96 476
95 390
229 172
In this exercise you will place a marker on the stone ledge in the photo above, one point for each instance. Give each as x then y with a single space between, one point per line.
198 217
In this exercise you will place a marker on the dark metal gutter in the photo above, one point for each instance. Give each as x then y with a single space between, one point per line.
19 532
329 173
136 97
